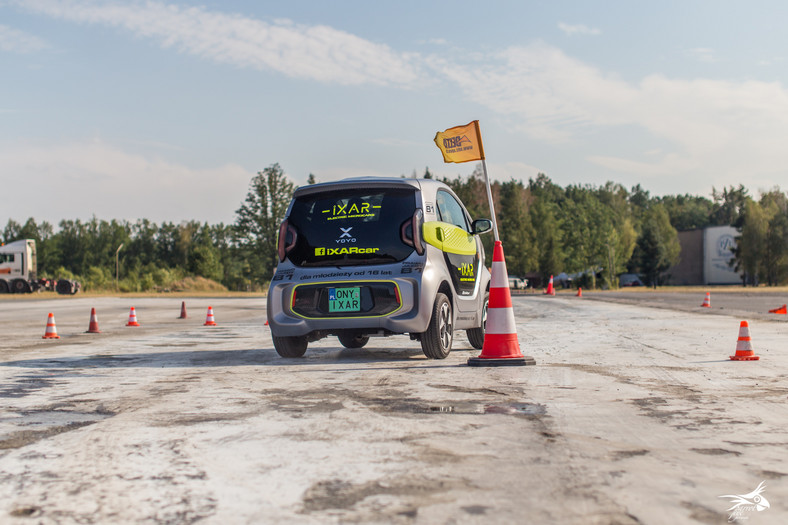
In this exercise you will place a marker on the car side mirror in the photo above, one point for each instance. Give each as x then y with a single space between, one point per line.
481 226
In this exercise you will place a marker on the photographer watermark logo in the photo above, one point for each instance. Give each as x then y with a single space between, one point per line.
746 503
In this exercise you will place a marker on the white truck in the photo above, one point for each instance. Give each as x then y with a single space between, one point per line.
18 271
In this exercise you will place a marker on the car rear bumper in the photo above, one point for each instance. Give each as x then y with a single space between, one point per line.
286 319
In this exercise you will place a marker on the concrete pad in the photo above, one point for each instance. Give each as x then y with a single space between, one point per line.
631 415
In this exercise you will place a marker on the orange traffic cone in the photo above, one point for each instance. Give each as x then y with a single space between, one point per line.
500 346
579 292
781 310
51 331
550 289
132 318
209 320
744 351
183 310
707 301
93 326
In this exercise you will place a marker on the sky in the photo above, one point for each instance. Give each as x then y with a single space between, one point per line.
166 110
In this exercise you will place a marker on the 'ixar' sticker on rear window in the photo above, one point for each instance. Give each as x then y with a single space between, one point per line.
351 211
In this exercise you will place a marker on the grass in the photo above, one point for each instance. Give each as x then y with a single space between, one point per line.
187 287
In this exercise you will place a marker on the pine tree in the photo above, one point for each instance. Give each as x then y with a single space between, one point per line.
258 220
658 246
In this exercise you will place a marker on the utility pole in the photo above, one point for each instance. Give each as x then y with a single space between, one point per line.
117 266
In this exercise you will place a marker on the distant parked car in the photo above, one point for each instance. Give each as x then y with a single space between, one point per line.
517 283
629 279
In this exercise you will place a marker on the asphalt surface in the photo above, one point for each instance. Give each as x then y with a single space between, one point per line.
737 303
632 414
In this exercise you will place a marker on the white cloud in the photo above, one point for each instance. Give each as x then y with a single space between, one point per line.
702 54
719 129
771 61
16 41
82 179
578 29
548 94
319 53
332 173
396 142
666 164
506 171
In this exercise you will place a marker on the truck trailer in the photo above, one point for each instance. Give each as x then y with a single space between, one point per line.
18 271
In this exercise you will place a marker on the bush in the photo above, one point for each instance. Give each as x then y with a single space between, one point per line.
164 277
130 283
98 278
197 284
62 273
147 282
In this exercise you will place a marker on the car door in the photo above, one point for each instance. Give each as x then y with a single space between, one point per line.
461 250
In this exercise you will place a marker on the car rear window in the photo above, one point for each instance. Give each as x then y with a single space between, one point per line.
351 227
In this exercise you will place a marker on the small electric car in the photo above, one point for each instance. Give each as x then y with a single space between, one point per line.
369 257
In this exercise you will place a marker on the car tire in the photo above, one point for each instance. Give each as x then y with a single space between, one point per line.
64 287
476 335
353 340
436 341
290 346
3 287
20 286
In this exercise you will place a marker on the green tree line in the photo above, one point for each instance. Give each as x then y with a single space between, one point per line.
240 256
599 232
594 232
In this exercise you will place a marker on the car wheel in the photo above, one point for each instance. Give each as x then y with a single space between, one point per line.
20 286
290 346
353 339
3 287
476 335
64 287
436 341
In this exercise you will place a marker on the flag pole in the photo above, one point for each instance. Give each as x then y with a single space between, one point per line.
490 200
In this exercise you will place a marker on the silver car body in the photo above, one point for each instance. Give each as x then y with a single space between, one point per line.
417 278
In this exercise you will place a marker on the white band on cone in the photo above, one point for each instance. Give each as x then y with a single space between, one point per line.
743 346
500 321
499 278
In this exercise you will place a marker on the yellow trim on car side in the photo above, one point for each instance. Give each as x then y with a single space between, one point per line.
449 238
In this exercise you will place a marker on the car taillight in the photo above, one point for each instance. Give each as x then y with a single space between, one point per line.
286 240
410 231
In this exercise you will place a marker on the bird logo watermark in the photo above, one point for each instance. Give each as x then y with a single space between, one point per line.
746 503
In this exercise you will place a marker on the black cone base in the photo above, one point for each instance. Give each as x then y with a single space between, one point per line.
502 361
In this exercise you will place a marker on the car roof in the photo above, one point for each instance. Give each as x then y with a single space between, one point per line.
369 182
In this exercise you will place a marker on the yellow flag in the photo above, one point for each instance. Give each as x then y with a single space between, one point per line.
461 144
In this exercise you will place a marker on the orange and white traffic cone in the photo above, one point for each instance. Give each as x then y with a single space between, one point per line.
781 310
707 301
132 318
209 320
183 310
579 292
93 325
744 351
51 330
500 346
550 290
